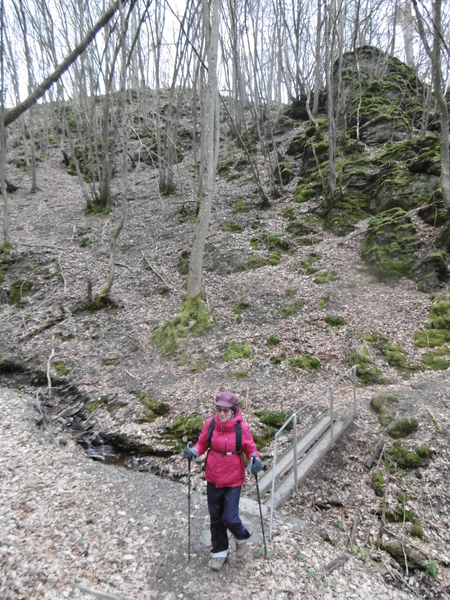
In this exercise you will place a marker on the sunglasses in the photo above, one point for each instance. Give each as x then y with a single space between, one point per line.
223 410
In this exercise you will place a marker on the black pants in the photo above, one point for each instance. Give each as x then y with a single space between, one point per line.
223 505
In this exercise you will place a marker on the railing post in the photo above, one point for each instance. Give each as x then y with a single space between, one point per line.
354 391
273 486
295 455
332 416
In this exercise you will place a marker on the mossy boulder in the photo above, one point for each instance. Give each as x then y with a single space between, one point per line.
390 243
431 272
385 407
443 238
403 456
273 419
399 551
403 428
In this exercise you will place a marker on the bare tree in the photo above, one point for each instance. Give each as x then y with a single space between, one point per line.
434 52
211 22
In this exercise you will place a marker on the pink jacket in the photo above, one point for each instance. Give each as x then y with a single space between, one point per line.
224 469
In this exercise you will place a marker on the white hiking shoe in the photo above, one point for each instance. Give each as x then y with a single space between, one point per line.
216 563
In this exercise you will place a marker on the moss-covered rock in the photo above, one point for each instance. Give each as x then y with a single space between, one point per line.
384 405
305 362
273 419
334 320
443 238
403 428
403 456
431 272
390 244
398 551
366 371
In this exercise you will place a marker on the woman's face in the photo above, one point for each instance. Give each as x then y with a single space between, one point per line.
224 414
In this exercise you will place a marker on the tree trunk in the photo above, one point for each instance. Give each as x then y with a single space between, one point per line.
211 20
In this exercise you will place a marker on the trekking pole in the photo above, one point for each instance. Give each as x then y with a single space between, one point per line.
260 514
189 506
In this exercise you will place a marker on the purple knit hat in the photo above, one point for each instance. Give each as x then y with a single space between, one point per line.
227 400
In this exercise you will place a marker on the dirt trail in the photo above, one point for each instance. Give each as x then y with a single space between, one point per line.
67 521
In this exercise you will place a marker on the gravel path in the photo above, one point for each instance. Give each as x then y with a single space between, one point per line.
68 525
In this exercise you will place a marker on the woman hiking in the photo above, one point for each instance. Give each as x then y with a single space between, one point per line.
227 437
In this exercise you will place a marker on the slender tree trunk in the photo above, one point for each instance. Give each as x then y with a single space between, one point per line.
3 133
124 133
211 21
434 53
315 109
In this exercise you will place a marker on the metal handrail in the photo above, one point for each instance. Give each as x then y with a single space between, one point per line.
294 419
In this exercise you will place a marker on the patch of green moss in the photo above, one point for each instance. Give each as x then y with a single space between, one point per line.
254 243
304 193
424 452
242 206
189 426
390 243
273 419
154 408
289 213
290 293
61 367
272 341
366 372
240 307
304 362
403 428
435 361
417 531
326 276
275 242
236 350
254 262
403 456
19 289
323 303
431 338
309 262
334 321
378 483
232 227
92 405
274 259
440 312
194 319
298 229
289 310
241 374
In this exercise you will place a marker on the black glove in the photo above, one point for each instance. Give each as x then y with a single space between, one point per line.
256 465
190 453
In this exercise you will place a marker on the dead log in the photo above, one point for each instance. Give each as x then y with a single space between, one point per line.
375 454
333 565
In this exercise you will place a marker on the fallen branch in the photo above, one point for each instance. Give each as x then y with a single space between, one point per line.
100 595
395 574
375 454
155 271
333 565
46 325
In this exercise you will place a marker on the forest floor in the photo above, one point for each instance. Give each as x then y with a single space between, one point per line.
70 521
